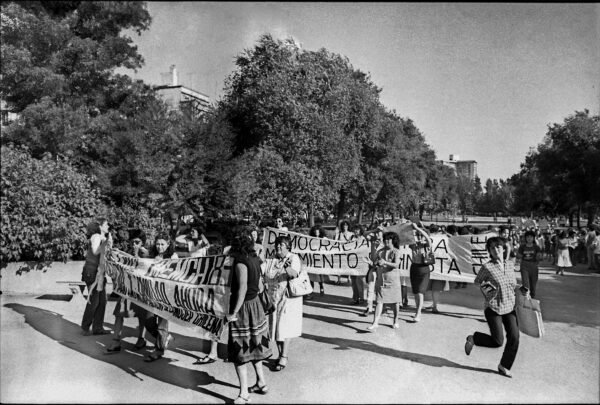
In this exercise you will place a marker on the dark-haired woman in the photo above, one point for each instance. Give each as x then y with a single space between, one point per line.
317 232
156 325
343 234
563 259
286 322
419 270
530 254
497 282
248 326
96 306
387 285
196 242
358 282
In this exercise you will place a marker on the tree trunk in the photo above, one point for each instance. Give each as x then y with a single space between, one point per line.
341 206
311 215
571 219
578 216
361 209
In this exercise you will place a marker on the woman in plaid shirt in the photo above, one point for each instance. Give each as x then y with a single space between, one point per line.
497 282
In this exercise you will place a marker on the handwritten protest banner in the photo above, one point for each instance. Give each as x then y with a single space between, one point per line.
193 292
458 258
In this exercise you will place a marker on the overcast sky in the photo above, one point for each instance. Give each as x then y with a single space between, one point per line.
481 81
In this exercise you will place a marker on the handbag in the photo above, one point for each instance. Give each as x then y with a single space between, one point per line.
429 258
265 299
529 314
299 286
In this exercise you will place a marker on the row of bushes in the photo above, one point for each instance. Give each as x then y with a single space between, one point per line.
46 206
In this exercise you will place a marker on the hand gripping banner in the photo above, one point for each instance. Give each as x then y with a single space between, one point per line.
458 258
193 292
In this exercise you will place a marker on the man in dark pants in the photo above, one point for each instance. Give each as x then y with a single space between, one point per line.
94 311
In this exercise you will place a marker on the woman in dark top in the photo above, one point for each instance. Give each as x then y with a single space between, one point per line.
419 271
248 326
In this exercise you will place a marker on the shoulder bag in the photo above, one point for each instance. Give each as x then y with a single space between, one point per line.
299 286
529 314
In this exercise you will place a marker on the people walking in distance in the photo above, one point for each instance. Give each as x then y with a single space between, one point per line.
376 240
93 314
248 327
530 254
317 232
195 241
387 284
497 282
563 258
419 270
591 237
286 321
157 326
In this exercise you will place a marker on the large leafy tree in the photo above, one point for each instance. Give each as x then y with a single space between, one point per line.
311 111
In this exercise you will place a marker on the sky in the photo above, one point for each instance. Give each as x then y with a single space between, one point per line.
481 81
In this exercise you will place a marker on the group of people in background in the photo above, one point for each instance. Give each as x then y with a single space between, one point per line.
249 326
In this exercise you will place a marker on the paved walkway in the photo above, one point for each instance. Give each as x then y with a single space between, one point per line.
45 359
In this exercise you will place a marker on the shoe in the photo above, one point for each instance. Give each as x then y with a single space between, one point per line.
257 389
396 325
372 328
205 360
140 344
113 349
322 291
366 312
86 332
416 318
101 332
469 344
435 311
281 363
504 371
241 400
152 357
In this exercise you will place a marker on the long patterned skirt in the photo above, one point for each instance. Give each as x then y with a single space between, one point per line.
249 335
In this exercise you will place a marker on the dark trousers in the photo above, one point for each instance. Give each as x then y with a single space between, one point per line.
529 276
358 287
94 311
496 339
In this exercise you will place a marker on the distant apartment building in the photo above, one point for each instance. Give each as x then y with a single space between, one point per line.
463 168
180 97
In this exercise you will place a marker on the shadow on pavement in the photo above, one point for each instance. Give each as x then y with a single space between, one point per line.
69 335
433 361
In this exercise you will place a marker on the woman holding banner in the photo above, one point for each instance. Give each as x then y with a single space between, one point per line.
497 282
248 328
387 285
286 322
358 282
317 232
156 325
94 310
343 234
195 242
376 241
419 270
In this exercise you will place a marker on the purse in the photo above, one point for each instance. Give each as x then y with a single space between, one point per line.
529 314
265 299
299 286
429 258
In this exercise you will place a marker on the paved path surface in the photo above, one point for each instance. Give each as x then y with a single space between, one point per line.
45 359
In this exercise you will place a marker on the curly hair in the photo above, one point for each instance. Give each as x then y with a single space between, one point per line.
170 249
394 238
313 231
242 244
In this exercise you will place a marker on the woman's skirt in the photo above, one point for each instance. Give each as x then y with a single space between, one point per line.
419 278
563 259
387 287
286 321
438 285
249 335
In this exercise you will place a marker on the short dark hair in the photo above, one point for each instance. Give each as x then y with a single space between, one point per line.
344 222
284 240
361 230
394 237
314 229
496 241
529 233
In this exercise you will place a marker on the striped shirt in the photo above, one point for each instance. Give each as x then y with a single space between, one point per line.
500 298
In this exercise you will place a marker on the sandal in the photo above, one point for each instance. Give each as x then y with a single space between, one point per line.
281 363
257 389
140 344
241 400
205 360
114 348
